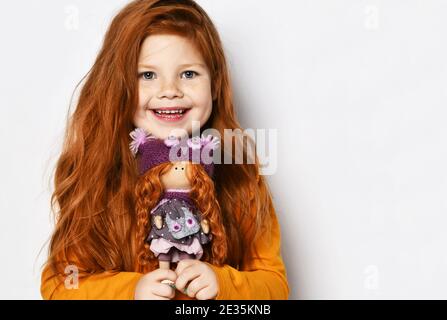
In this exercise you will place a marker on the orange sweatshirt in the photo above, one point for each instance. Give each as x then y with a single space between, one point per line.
262 278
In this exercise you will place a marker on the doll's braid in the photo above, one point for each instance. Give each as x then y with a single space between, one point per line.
204 196
147 193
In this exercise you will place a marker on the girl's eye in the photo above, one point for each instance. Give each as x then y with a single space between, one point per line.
148 75
189 74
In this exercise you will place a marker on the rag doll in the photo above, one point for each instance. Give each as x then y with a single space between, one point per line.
177 210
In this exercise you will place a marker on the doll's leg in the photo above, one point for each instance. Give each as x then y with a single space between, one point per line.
165 264
183 255
164 259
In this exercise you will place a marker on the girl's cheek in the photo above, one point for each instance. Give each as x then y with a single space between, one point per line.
143 98
205 115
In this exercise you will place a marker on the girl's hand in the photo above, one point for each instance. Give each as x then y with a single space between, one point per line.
197 278
149 287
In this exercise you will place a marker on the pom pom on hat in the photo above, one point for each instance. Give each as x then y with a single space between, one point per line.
139 136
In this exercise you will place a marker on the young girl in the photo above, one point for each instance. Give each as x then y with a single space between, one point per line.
161 67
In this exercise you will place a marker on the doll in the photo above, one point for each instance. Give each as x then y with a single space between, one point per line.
175 200
178 229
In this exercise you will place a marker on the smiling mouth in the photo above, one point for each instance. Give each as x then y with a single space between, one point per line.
171 113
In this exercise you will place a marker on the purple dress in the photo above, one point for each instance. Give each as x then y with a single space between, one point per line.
181 235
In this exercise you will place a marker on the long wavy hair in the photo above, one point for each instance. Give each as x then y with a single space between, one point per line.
97 223
147 193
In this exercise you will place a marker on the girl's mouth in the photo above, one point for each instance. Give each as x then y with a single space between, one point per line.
170 114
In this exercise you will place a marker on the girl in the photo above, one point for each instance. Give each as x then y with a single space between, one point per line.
161 67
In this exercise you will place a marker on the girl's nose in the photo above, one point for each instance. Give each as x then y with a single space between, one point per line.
170 90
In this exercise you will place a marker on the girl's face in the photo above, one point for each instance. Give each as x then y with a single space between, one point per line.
174 86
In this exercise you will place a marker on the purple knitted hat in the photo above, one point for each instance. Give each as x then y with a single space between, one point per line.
152 151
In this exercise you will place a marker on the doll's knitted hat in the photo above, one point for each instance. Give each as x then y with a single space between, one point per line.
152 151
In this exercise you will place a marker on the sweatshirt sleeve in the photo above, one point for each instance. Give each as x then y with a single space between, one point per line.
261 278
103 286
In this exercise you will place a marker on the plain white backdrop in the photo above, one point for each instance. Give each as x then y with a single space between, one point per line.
357 90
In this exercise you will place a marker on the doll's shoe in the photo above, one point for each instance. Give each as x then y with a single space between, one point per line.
169 283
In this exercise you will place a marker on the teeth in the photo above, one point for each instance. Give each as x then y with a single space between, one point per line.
169 111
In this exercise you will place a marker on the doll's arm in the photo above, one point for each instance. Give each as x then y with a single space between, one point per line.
205 226
103 286
262 277
158 220
157 217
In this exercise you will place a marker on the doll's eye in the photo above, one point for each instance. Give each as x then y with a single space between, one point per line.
177 226
147 75
189 72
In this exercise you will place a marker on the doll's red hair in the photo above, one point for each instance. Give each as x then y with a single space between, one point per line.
95 176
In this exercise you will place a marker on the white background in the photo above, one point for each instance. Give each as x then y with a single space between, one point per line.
356 90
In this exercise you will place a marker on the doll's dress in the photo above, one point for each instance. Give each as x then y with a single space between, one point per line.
181 231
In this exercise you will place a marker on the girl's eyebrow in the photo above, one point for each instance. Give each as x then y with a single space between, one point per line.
192 65
185 65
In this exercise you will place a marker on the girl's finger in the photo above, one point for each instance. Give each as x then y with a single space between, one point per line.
195 286
182 264
164 274
160 298
188 274
163 290
204 293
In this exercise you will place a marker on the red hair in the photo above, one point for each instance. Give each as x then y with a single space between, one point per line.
97 224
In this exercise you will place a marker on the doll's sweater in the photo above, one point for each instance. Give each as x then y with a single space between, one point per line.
262 277
171 204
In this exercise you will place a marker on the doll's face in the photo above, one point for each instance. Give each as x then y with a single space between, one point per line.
177 176
171 73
